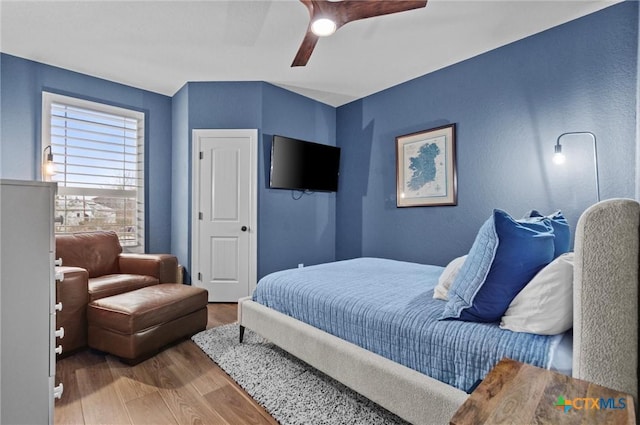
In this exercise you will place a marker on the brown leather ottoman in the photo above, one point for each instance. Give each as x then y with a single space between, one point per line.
136 325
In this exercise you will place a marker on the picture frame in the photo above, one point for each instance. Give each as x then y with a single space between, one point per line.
426 172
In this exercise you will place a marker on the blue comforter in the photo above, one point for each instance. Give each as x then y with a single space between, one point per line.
387 307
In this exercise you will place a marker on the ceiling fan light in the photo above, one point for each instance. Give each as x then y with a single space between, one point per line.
323 27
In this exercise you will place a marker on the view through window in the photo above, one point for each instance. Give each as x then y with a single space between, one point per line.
98 155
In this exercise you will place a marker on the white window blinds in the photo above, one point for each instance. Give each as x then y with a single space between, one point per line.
98 155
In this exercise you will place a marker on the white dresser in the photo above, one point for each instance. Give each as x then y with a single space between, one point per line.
27 303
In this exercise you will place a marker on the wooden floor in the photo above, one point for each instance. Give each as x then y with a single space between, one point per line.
181 385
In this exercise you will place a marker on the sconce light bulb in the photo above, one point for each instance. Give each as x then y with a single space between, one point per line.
559 158
49 168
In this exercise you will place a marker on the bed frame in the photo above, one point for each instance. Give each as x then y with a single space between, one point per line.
605 332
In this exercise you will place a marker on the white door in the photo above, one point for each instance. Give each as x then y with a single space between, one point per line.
224 240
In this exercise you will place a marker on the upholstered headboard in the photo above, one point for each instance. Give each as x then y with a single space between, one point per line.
605 345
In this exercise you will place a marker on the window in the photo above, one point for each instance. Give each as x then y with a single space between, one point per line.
98 156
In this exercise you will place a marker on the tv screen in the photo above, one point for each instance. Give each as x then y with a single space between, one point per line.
301 165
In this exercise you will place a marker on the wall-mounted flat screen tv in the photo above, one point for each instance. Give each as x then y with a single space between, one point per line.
301 165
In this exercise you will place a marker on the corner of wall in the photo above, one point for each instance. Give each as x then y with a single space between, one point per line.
180 177
638 107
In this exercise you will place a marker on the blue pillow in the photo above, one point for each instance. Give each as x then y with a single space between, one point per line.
503 259
561 230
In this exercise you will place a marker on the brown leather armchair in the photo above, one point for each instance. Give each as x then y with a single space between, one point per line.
94 267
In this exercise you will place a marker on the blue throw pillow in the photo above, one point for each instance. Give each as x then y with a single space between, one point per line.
561 230
503 259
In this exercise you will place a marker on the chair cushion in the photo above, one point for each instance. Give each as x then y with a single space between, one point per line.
114 284
97 252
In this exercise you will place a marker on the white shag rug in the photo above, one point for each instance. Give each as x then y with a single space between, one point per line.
291 391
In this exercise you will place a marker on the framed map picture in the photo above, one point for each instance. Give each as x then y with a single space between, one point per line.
426 168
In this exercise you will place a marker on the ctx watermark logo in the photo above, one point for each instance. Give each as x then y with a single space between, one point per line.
589 403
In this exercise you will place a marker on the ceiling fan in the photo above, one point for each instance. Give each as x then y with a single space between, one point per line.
326 16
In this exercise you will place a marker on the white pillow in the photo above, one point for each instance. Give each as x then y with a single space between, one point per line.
447 277
545 305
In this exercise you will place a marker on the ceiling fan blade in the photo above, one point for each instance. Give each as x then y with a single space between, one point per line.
353 10
346 11
305 50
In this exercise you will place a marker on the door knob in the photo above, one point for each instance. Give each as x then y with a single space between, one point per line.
243 228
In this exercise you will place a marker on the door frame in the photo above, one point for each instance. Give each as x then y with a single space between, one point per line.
252 134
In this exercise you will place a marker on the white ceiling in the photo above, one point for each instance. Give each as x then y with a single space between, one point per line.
161 45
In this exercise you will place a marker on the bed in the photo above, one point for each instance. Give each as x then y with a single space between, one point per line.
605 328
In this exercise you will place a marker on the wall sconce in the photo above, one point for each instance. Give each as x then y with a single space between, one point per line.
559 157
48 168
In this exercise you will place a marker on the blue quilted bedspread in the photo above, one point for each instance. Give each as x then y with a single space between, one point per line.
386 307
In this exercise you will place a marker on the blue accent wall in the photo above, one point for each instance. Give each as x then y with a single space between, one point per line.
510 105
21 105
289 232
207 105
294 231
